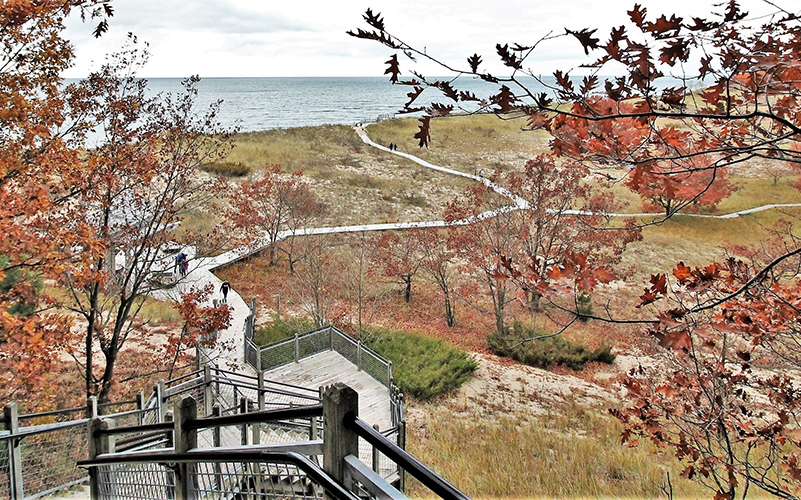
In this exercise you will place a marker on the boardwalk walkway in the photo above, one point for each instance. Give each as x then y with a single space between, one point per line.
232 353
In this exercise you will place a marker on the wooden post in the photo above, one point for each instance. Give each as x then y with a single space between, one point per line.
313 428
216 411
389 372
262 402
243 408
338 441
375 453
162 409
258 357
185 412
297 349
91 407
402 445
208 394
140 406
99 445
11 418
331 336
359 355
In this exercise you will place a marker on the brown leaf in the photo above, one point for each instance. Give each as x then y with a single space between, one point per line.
424 134
474 61
394 68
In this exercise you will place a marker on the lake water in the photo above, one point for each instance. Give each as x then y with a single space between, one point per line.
267 103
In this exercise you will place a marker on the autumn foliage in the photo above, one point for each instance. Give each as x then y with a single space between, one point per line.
722 396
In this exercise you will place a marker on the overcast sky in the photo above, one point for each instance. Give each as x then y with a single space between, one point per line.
247 38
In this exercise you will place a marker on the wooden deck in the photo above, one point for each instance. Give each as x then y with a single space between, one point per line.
329 367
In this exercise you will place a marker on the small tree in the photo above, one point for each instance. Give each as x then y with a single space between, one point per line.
438 261
133 188
277 206
399 256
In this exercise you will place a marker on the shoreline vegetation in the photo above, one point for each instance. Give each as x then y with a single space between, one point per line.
363 185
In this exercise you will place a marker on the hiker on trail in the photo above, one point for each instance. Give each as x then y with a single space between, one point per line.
183 265
224 289
178 259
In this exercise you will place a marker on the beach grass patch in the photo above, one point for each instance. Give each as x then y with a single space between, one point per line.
517 343
421 366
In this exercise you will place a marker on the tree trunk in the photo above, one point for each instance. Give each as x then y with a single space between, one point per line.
534 301
449 316
407 280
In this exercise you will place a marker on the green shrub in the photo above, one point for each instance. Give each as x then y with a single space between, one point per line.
584 306
27 284
422 367
544 352
281 329
226 169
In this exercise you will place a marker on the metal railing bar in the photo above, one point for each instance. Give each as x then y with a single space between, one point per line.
132 444
114 431
179 388
116 403
270 390
303 447
53 412
372 482
406 461
228 372
57 488
182 377
311 469
257 416
41 429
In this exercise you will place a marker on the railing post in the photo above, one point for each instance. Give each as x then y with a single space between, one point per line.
402 445
313 428
140 406
389 373
375 453
97 446
297 349
255 427
185 440
258 357
216 411
243 408
338 440
91 407
208 394
359 355
11 417
261 404
331 336
160 390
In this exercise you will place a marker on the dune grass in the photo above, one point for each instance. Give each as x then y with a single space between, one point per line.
422 367
571 452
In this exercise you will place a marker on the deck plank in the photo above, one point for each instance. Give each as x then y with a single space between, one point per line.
329 367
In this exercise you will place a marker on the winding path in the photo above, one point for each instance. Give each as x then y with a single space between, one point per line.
201 269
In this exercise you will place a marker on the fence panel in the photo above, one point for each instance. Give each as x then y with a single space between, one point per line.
376 367
346 347
313 343
49 459
5 471
136 481
277 355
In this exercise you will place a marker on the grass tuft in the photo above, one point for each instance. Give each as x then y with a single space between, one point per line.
550 351
422 367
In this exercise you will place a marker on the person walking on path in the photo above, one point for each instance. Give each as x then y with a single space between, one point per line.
224 289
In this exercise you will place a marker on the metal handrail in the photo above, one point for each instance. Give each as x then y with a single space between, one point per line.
256 417
406 461
114 431
311 469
